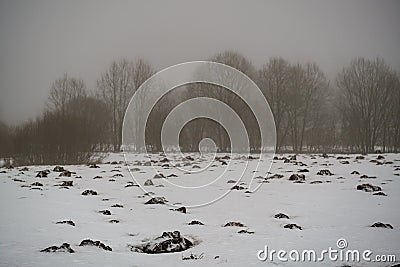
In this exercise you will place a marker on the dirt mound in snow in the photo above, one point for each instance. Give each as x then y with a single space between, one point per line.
368 187
88 242
65 247
168 242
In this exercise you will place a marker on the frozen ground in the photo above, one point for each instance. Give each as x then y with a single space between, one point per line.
325 210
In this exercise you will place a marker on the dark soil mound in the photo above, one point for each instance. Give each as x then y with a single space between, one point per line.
168 242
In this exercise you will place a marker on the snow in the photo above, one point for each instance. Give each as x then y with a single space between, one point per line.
326 212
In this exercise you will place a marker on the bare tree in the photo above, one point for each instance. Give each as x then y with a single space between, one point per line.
6 141
366 91
64 90
63 138
141 72
307 88
239 62
116 87
393 134
273 79
389 134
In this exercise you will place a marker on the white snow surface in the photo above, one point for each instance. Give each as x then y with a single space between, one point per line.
326 212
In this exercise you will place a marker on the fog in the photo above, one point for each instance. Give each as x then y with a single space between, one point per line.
41 40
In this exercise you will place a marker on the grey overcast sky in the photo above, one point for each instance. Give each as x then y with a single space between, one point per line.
40 40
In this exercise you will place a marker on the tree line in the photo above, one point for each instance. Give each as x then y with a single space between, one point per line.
357 112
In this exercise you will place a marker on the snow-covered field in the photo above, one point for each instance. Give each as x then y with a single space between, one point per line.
326 207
